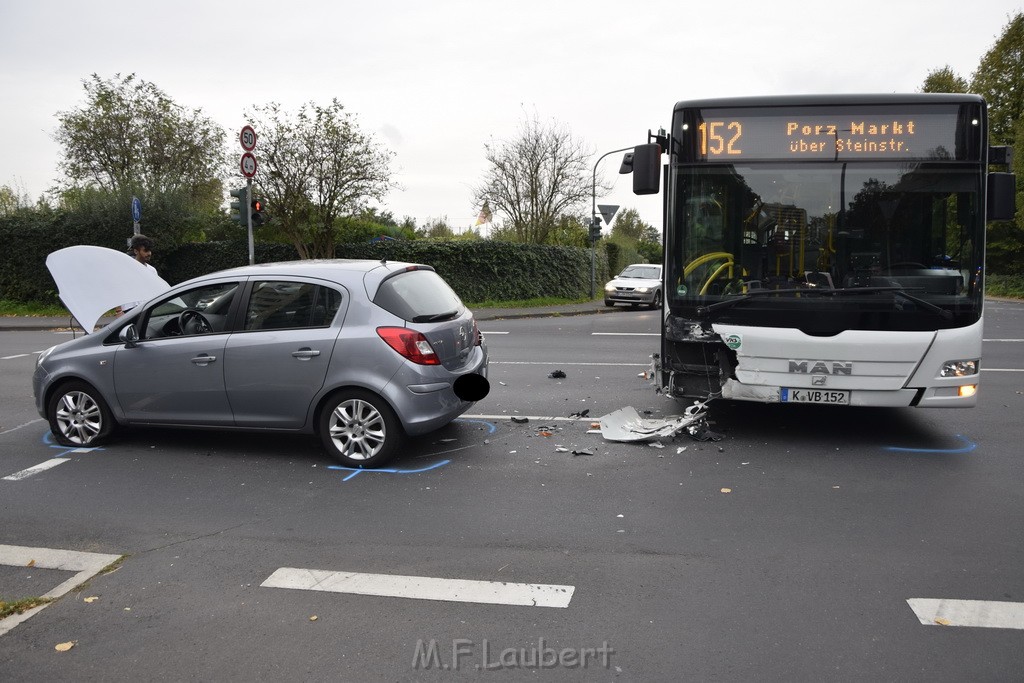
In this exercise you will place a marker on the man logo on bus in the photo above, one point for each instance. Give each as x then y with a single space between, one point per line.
733 341
820 367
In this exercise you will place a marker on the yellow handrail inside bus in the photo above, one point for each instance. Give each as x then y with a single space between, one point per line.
714 276
728 265
701 260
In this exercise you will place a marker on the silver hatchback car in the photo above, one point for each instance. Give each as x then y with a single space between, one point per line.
361 353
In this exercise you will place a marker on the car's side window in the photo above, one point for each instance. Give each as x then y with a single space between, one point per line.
202 310
282 305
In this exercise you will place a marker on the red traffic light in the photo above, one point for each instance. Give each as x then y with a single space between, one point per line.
258 206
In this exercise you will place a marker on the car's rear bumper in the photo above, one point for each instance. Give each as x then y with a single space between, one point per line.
425 398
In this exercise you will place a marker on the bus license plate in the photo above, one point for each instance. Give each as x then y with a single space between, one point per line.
815 396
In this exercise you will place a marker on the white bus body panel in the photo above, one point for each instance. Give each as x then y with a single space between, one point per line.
879 368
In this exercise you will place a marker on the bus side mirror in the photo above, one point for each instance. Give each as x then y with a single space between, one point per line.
647 169
1002 199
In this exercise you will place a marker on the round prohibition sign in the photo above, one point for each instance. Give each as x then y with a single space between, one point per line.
248 165
248 138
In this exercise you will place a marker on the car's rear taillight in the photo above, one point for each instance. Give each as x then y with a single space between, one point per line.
409 344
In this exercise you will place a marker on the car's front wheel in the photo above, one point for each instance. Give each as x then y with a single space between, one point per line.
657 300
359 429
78 415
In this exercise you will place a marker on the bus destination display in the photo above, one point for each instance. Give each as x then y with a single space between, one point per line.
732 136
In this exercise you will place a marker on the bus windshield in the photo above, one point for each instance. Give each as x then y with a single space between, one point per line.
778 234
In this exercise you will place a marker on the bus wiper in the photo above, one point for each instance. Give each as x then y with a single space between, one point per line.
704 311
902 294
898 292
435 317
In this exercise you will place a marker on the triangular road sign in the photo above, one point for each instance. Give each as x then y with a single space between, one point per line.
608 212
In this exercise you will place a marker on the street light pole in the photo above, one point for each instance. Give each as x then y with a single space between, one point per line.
594 220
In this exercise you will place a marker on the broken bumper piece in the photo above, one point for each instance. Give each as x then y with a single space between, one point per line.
626 424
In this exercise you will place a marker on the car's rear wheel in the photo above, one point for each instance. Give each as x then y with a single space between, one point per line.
78 415
359 429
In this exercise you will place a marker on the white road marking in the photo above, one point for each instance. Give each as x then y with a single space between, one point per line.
555 362
977 613
538 418
26 424
43 466
486 332
1002 370
20 355
1002 340
86 564
625 334
35 469
422 587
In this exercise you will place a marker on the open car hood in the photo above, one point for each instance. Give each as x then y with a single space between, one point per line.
93 280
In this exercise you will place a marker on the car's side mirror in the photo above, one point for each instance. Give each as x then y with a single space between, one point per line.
129 335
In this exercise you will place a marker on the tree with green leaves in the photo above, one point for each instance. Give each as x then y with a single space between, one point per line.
1000 80
12 200
316 169
945 80
630 231
131 137
535 181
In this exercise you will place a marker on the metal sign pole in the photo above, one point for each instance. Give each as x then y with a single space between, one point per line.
248 214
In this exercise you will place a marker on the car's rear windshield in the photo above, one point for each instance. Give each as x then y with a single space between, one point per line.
419 296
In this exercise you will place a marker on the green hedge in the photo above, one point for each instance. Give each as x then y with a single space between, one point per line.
477 270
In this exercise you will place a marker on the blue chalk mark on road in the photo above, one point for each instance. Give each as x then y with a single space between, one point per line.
356 470
491 428
970 446
48 441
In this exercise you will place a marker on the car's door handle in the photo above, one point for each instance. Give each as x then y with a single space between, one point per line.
305 353
204 359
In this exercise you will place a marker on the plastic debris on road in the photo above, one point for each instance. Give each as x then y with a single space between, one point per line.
625 424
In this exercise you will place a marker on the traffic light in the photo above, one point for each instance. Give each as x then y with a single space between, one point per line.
239 207
257 207
595 229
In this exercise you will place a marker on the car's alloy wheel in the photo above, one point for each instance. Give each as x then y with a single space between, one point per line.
657 300
359 429
78 415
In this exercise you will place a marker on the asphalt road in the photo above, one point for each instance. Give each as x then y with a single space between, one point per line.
786 551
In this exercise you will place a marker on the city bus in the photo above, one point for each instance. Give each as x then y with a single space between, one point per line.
825 250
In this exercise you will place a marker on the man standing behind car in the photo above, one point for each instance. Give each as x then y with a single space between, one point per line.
140 248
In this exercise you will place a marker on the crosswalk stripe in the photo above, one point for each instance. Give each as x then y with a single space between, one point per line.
422 587
86 565
977 613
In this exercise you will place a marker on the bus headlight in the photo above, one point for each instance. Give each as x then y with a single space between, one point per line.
959 368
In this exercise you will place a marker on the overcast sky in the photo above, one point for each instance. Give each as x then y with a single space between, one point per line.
435 81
